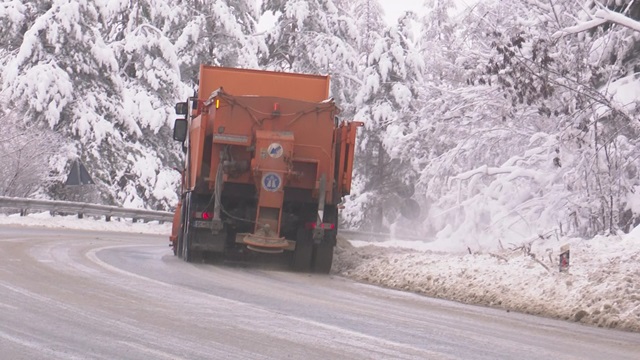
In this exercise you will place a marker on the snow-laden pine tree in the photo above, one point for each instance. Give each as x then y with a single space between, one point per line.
368 16
386 102
149 74
311 36
63 75
215 32
104 77
314 37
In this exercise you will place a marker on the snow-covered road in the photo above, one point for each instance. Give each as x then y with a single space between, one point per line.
601 288
69 294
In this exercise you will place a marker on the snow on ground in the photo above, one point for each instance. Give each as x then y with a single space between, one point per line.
601 288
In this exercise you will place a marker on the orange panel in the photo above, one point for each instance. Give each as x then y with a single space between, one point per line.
175 226
350 152
196 140
271 166
313 88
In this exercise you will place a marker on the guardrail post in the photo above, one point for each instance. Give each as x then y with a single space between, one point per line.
107 218
80 216
23 212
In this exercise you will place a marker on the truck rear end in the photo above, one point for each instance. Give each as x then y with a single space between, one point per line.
267 164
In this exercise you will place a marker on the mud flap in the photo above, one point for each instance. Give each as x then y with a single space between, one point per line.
303 253
323 258
188 232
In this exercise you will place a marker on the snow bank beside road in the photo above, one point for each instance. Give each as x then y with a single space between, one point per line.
602 287
44 219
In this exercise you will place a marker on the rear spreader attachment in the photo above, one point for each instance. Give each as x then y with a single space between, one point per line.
265 240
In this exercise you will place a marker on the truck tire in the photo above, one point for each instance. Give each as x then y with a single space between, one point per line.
323 258
303 253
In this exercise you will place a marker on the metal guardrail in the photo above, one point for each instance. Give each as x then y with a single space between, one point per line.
24 205
363 235
55 206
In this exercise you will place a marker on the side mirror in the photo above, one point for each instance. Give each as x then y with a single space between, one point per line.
180 128
182 108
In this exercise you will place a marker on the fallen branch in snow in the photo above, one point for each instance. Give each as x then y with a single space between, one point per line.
533 256
499 257
526 249
600 17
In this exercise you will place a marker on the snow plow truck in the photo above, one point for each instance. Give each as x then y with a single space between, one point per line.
267 164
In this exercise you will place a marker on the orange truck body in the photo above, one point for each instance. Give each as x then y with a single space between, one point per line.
267 164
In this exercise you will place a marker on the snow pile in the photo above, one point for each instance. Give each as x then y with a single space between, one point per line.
601 288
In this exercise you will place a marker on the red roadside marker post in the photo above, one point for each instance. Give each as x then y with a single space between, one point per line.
564 258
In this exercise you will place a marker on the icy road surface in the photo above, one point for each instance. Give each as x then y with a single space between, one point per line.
76 294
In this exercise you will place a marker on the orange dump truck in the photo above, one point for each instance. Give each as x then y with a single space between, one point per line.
268 161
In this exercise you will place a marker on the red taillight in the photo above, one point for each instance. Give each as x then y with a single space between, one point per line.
324 226
206 215
276 109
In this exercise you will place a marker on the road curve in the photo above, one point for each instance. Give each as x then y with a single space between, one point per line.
68 294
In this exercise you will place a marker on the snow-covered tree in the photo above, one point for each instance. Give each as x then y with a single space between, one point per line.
26 151
539 137
368 16
216 32
309 36
386 102
315 37
66 76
